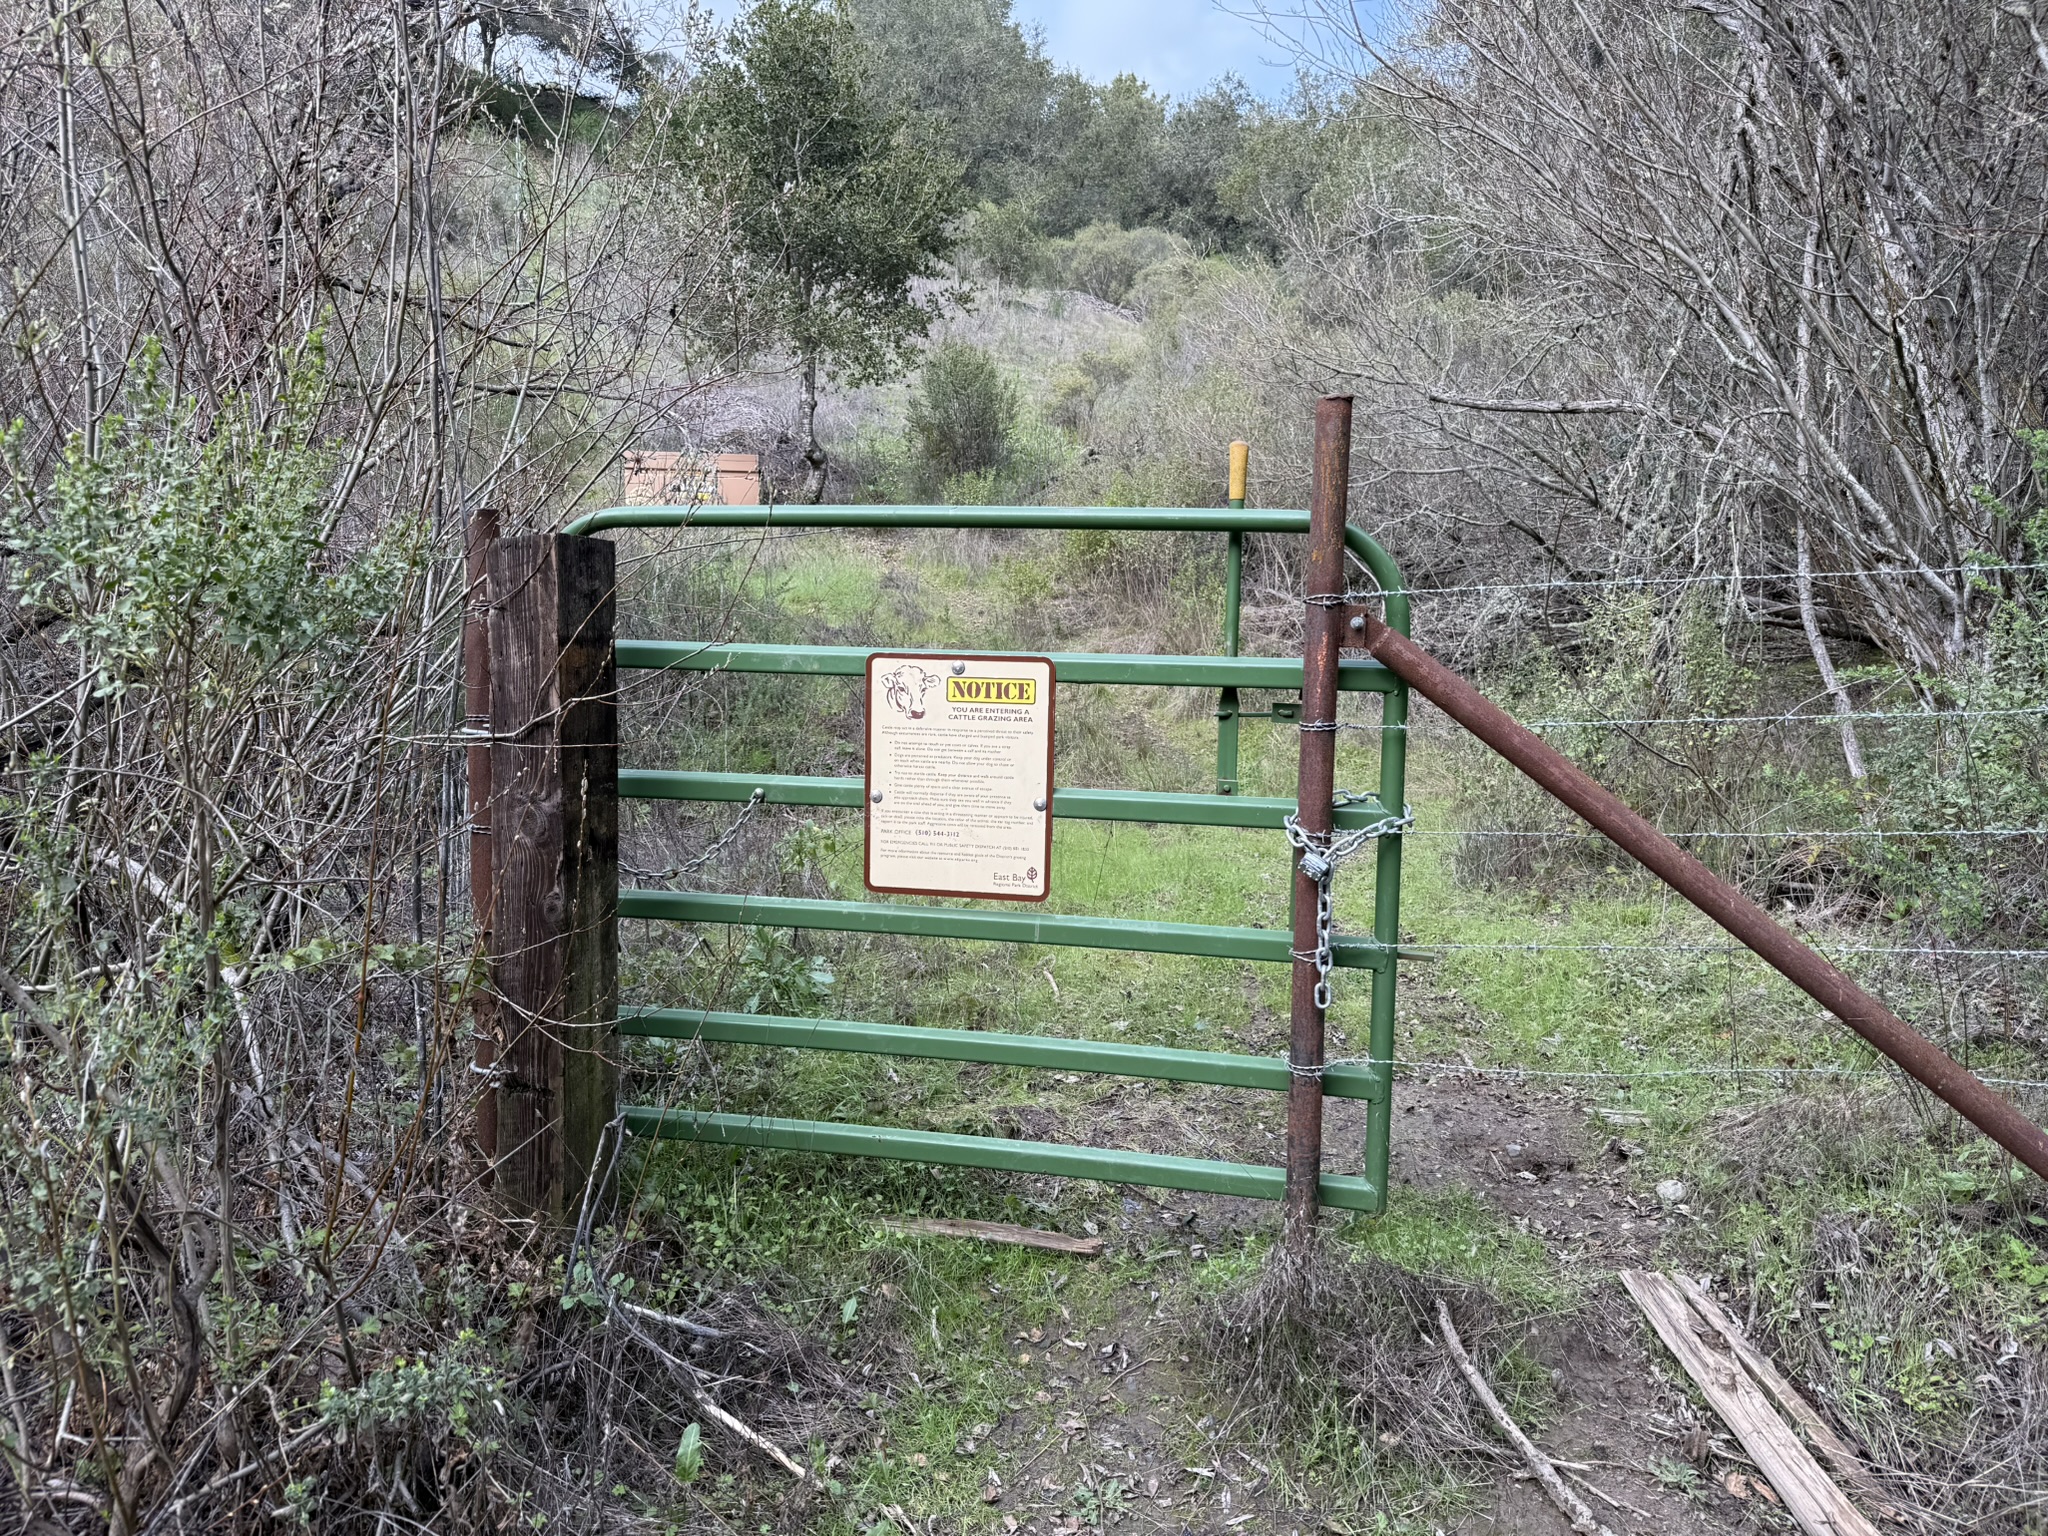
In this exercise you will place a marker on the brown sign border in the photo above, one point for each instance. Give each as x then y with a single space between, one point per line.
867 747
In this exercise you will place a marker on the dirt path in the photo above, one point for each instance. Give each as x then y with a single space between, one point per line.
1559 1174
1101 1438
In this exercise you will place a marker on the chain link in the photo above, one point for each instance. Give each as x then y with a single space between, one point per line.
754 801
1321 854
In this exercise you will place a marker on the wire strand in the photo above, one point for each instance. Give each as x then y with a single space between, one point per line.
1643 722
1788 719
1509 947
1985 568
1817 834
1465 1069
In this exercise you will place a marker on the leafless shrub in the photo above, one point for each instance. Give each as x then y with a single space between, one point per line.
1739 268
1318 1341
288 309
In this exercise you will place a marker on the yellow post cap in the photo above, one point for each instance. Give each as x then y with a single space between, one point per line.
1240 461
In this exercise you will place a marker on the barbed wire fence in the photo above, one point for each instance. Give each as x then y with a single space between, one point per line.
1946 970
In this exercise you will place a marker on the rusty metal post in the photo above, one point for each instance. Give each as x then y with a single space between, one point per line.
1315 793
1944 1076
476 676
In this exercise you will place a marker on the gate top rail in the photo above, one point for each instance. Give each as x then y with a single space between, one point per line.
1116 519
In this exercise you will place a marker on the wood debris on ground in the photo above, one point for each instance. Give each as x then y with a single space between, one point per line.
994 1232
1741 1384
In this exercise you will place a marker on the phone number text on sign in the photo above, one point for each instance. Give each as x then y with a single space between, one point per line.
959 776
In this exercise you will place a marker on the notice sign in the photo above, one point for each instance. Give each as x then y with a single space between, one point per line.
959 783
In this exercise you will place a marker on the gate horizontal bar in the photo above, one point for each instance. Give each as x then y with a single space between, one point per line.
1280 672
1131 519
1215 943
1258 813
1342 1191
1124 519
1178 1066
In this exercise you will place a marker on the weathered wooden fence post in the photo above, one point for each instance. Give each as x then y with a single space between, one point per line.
555 836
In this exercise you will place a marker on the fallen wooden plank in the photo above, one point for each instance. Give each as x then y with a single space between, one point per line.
1850 1467
1810 1497
995 1232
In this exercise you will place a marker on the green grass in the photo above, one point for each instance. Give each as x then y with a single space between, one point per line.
1451 1232
818 588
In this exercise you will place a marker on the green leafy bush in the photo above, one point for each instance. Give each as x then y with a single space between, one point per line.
448 1392
1079 387
1105 260
963 413
198 552
1005 239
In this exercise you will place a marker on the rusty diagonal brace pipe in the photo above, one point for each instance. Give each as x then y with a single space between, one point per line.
1948 1079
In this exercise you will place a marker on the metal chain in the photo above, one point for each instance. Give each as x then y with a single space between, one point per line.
1321 853
754 801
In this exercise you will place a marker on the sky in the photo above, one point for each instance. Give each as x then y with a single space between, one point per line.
1176 46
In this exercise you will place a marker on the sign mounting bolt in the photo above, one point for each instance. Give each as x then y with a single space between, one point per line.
1038 804
876 797
959 667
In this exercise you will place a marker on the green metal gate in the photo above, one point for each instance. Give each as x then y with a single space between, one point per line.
1228 674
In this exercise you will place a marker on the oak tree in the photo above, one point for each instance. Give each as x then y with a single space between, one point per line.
844 206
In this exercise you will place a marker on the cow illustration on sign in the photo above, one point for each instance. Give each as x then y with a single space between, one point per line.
906 688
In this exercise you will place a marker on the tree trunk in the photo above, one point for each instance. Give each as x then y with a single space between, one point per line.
807 418
1809 617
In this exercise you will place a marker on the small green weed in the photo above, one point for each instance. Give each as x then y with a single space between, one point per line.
1098 1505
689 1464
776 977
1678 1476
